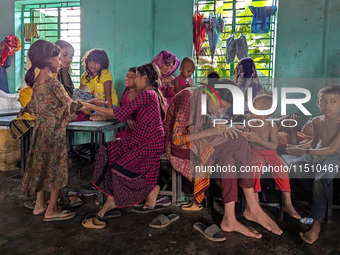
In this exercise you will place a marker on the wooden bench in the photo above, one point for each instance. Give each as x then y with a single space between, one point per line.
176 183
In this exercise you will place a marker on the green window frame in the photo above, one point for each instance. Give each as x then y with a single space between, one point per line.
237 18
59 20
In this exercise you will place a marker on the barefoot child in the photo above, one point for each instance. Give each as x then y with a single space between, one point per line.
264 141
133 162
97 78
323 152
47 168
184 80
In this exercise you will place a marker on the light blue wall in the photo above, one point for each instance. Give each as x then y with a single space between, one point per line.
6 29
132 32
307 46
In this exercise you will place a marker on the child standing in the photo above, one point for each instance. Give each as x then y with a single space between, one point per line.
134 160
263 138
66 57
97 78
184 80
47 162
323 152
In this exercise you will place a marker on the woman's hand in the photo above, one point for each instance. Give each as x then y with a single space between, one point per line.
168 79
232 132
86 106
295 151
131 124
97 101
99 116
222 129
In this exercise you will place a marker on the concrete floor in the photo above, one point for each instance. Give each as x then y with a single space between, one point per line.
23 233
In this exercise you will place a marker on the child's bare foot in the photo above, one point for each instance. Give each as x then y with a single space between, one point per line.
257 215
291 211
39 210
313 234
257 197
240 228
108 205
151 199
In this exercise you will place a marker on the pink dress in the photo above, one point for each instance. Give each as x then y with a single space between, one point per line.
125 101
184 82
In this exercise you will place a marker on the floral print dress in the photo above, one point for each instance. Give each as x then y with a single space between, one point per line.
47 161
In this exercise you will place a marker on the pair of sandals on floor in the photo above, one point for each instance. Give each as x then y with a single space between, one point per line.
94 221
212 232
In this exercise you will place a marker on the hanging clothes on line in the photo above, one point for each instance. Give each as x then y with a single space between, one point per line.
237 47
260 23
31 30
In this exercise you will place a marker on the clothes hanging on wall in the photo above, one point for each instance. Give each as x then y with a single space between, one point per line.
9 46
3 76
260 23
31 30
237 47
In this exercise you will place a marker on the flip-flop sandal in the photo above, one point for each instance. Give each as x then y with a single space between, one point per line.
307 221
114 213
59 216
147 209
76 202
162 221
29 204
213 232
192 207
93 223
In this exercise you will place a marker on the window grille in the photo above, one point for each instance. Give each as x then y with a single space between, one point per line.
237 19
55 21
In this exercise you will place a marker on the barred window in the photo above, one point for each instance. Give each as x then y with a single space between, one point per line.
55 21
237 20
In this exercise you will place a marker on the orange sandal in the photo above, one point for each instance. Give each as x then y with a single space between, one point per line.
192 207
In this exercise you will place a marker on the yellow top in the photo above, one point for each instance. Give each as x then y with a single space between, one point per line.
97 88
25 95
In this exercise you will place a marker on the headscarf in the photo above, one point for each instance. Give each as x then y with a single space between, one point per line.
163 58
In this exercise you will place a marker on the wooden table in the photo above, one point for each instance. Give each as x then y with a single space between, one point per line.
96 128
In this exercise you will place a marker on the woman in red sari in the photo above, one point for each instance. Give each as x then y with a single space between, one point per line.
192 142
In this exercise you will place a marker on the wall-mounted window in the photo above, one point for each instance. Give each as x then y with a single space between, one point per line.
237 20
53 21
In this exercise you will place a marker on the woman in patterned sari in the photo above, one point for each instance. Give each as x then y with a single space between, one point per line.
191 144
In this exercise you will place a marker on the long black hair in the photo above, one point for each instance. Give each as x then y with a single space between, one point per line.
97 56
39 54
133 70
153 76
